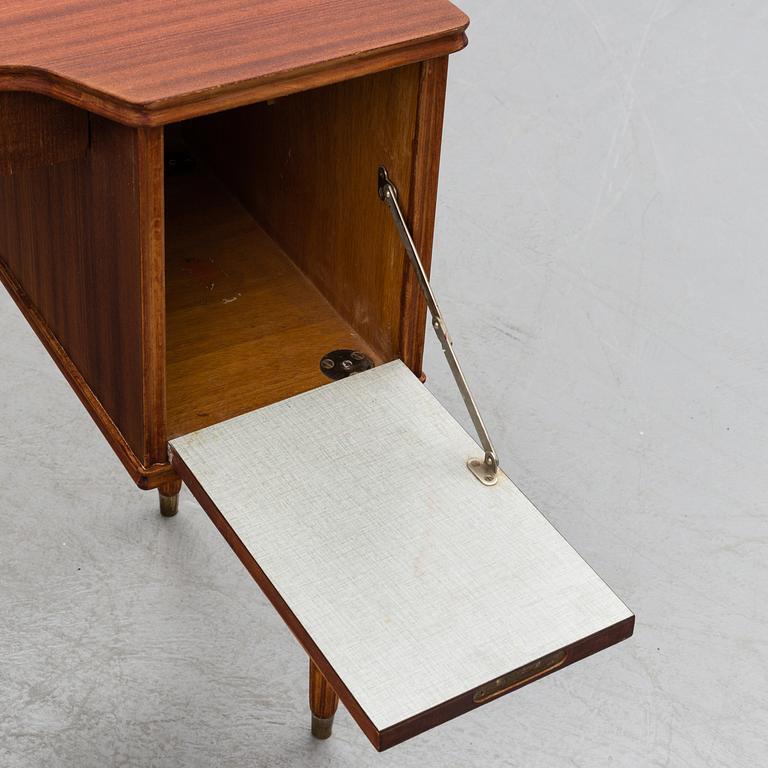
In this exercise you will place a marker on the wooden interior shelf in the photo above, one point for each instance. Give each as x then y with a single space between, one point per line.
245 327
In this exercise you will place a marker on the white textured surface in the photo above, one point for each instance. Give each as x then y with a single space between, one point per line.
417 582
601 247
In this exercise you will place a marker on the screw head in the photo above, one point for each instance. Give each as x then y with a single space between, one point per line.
341 363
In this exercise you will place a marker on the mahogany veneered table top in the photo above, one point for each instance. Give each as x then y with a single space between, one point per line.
150 62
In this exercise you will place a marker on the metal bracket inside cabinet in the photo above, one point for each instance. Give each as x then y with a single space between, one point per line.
486 470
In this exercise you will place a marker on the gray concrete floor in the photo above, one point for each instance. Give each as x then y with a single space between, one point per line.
601 261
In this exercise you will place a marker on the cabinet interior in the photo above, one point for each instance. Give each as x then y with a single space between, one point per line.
278 249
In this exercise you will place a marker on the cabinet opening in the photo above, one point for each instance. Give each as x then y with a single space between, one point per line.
278 249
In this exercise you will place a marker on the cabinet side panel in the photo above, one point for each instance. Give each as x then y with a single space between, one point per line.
38 131
73 238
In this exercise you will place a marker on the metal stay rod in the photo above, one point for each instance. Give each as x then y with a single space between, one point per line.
486 469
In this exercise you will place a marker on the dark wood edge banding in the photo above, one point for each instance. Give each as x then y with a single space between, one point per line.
151 197
145 477
423 204
465 702
195 104
274 597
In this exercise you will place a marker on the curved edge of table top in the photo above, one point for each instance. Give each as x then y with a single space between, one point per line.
169 62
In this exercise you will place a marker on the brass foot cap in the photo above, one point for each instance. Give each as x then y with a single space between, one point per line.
169 505
322 727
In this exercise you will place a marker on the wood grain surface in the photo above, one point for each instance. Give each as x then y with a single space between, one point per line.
81 244
150 62
36 131
145 476
422 204
245 327
306 167
323 701
84 239
82 208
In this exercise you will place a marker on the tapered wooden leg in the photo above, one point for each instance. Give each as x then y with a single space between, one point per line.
323 702
169 498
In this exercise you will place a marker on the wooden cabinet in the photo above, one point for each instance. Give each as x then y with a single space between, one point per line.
190 220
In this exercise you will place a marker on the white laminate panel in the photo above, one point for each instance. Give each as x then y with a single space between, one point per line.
416 582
